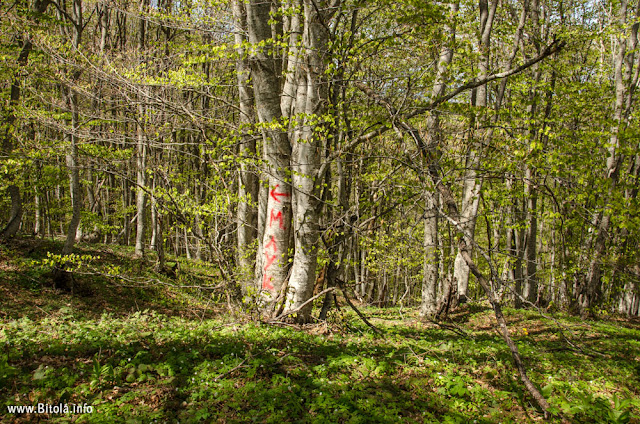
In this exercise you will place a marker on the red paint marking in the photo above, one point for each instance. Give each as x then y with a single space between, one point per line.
272 242
276 217
266 283
275 195
270 260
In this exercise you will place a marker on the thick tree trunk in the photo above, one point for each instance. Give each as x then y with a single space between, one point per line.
15 218
263 194
311 100
429 301
266 84
292 61
470 202
428 306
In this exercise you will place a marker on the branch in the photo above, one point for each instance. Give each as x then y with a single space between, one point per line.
552 48
352 306
293 311
453 215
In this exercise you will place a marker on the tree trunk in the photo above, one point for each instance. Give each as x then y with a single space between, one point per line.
247 214
530 288
15 217
72 152
141 179
429 300
266 84
589 290
472 181
429 304
311 100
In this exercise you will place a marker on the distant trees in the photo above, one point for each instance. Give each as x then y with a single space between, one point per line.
279 140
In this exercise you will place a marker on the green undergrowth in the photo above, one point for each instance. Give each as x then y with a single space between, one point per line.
106 278
168 364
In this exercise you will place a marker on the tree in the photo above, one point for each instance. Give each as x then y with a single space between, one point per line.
277 149
38 7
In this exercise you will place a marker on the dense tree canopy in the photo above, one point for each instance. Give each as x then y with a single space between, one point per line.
399 153
403 152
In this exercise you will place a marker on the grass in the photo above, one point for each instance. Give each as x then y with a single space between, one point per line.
160 353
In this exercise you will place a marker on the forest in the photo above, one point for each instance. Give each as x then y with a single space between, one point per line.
217 211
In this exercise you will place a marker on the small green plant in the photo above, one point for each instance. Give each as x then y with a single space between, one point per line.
585 407
6 370
101 374
456 386
72 261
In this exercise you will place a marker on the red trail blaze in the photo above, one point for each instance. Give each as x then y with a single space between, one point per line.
275 195
272 242
266 283
270 260
276 217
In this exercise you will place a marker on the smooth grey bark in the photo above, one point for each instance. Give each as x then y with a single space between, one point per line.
15 216
530 287
470 202
429 301
472 181
263 194
141 145
71 156
588 291
141 179
37 227
71 159
291 64
247 213
104 14
266 85
311 101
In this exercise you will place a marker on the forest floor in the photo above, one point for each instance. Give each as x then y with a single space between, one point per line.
140 347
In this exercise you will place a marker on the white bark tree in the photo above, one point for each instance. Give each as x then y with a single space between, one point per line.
277 150
310 105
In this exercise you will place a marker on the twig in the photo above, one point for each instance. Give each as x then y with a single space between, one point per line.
224 374
575 347
453 328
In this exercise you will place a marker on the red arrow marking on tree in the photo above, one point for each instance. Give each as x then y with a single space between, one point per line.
270 260
276 217
266 283
275 195
272 242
